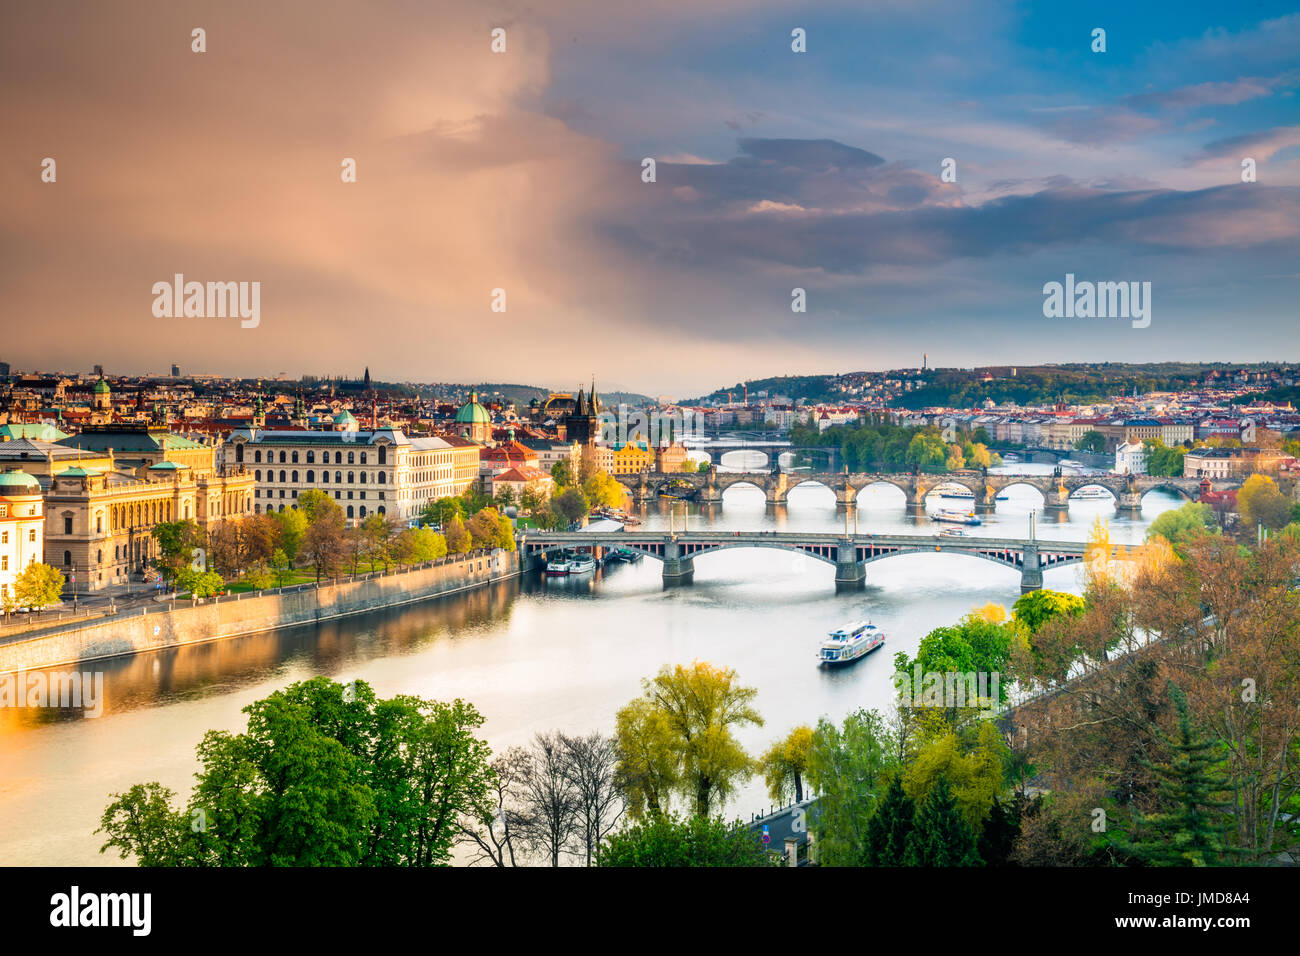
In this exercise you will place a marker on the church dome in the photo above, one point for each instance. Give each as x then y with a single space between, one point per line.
15 482
100 388
472 413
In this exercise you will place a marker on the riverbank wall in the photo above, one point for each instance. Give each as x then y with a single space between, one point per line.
175 625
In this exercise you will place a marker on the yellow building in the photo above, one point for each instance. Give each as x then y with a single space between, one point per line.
631 458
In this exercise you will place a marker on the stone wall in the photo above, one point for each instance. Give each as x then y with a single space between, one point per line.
152 628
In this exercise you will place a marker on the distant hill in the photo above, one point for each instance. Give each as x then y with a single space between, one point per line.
811 388
523 394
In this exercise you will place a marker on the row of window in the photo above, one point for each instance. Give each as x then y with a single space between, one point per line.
351 510
324 477
4 536
293 493
292 457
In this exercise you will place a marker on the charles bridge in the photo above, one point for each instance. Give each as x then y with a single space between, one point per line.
708 487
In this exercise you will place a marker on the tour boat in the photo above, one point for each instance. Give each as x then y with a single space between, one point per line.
1091 494
952 533
956 517
969 495
848 644
558 564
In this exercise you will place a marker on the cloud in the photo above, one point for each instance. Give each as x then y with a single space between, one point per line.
1260 146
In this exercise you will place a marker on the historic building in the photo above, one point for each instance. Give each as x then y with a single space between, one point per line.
21 528
473 421
366 472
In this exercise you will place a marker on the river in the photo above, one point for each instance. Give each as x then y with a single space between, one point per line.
536 654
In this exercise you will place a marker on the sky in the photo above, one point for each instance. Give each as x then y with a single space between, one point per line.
523 171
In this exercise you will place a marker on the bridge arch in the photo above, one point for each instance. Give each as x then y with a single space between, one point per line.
1003 488
1182 492
878 481
826 554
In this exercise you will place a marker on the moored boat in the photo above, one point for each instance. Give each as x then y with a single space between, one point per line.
956 517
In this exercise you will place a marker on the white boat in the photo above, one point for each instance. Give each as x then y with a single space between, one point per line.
956 517
848 644
968 495
952 533
1091 494
558 565
581 561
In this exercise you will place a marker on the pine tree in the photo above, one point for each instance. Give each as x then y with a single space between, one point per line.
998 837
890 827
1188 834
941 836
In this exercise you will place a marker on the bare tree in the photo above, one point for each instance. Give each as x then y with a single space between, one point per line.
548 801
589 764
494 836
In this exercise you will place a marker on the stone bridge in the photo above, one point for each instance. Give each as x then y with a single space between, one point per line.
848 554
1128 490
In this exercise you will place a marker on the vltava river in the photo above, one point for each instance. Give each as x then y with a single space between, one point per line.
534 655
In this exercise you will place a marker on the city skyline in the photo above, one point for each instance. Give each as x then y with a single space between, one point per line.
522 171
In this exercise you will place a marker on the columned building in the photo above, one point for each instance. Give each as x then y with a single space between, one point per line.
21 528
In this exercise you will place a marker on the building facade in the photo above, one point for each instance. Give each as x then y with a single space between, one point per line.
22 526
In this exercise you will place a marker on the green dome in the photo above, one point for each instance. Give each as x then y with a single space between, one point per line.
101 387
344 418
472 413
17 483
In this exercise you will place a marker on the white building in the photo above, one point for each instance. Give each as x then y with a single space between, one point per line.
22 526
1131 458
366 472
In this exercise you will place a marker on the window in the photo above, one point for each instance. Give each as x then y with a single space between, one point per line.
363 511
383 454
352 457
99 556
282 458
4 561
239 452
67 558
257 456
311 457
282 474
295 458
338 477
349 495
381 477
257 475
351 477
363 458
350 511
294 476
381 509
67 525
311 476
338 458
325 477
4 537
363 477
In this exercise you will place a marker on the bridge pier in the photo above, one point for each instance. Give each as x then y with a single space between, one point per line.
678 568
916 502
846 498
1031 572
1129 505
850 573
1056 503
986 501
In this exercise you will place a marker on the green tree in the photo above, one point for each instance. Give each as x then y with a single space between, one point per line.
941 836
489 529
604 490
1190 832
785 764
570 504
199 584
456 536
663 841
38 586
701 705
312 501
324 545
441 511
647 765
889 830
178 544
1092 441
1036 608
848 767
291 529
562 474
1180 526
926 452
325 775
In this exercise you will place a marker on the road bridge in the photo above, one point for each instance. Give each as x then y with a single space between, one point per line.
848 554
1128 490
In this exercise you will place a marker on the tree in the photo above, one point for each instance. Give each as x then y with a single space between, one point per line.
997 840
926 451
702 704
418 545
889 830
785 763
1260 502
458 539
549 806
663 841
589 765
325 775
282 565
199 584
489 529
504 498
940 835
562 474
1190 829
380 531
324 546
313 502
848 767
1093 441
441 511
646 771
570 504
291 529
1178 526
494 831
179 542
38 586
602 489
